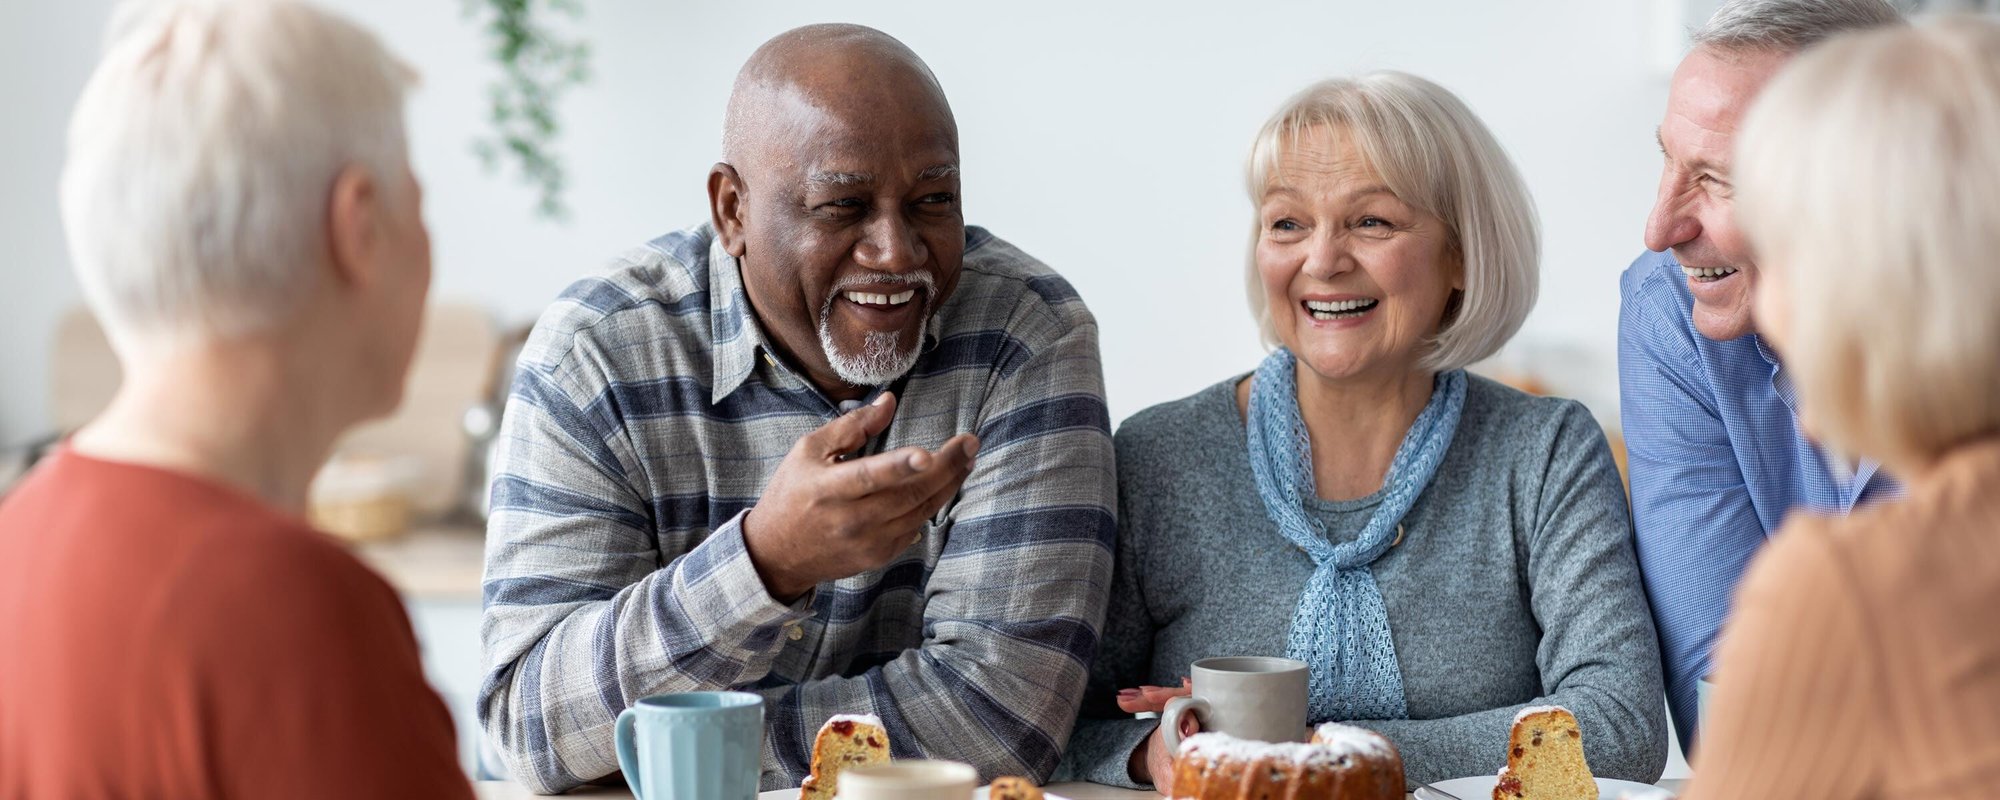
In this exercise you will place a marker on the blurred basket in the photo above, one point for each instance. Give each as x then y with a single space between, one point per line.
365 498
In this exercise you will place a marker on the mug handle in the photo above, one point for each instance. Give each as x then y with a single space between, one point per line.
628 753
1170 719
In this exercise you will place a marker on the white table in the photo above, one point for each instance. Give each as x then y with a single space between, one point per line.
500 790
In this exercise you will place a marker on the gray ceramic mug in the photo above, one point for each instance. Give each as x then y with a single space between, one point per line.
1249 697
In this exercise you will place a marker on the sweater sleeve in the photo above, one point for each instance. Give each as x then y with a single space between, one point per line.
1789 714
1100 749
1598 654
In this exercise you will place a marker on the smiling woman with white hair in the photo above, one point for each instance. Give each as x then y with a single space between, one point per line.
244 222
1861 660
1360 480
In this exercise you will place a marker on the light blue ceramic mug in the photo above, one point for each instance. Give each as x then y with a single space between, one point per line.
692 746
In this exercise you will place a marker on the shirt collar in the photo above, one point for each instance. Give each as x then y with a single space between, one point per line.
734 334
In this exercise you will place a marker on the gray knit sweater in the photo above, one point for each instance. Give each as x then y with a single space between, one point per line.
1515 585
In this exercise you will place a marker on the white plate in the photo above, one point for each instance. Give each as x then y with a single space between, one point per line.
1481 788
977 794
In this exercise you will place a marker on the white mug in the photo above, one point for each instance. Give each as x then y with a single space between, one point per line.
909 780
1259 698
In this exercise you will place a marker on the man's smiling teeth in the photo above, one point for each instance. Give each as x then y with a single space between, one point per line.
1337 309
872 299
1706 274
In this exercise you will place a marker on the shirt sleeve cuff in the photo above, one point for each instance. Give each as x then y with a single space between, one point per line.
720 590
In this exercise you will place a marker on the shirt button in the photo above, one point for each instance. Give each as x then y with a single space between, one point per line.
794 632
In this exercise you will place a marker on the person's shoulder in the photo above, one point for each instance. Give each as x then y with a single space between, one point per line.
1179 429
1655 278
658 290
1496 408
1654 300
266 571
996 278
1535 437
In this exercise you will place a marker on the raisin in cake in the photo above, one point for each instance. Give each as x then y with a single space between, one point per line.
846 740
1340 763
1545 758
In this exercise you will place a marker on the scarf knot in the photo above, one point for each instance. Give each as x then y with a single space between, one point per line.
1341 627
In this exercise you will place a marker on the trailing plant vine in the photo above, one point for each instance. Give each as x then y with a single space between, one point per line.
538 65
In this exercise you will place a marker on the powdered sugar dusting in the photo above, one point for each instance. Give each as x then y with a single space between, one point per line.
859 719
1533 710
1222 746
1350 739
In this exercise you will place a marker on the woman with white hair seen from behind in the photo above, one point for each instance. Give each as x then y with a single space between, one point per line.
244 222
1862 660
1359 480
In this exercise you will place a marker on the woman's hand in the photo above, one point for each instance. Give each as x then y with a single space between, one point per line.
1151 762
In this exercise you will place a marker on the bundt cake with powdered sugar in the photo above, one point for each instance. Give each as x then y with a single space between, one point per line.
1340 763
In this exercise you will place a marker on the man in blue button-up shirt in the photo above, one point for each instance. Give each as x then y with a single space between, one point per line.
1718 456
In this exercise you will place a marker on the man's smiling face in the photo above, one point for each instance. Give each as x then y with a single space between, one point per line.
841 198
1693 215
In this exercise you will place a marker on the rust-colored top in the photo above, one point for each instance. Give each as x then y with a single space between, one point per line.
1863 657
165 636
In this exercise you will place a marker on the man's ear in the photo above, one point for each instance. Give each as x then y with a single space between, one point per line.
353 226
726 206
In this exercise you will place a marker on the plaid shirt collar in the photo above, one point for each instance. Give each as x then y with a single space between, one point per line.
734 335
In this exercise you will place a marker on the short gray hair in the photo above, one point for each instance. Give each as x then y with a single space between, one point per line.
201 153
1790 25
1433 153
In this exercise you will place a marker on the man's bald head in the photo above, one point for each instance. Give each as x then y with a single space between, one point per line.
847 72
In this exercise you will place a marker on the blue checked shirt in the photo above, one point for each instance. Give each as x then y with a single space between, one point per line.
645 419
1717 460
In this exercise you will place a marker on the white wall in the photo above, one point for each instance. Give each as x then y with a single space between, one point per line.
1105 138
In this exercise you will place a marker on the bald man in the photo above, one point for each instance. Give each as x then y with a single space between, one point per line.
835 447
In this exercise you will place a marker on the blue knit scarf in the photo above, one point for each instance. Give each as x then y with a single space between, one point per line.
1341 628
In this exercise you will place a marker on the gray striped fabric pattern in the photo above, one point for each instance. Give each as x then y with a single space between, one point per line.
645 419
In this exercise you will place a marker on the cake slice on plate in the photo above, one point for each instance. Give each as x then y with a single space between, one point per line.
1545 758
845 741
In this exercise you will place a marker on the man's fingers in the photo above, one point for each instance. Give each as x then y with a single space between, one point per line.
906 475
852 429
872 475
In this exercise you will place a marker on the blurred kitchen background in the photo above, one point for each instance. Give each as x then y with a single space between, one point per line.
1105 138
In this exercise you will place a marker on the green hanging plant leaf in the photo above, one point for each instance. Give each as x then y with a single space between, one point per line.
538 65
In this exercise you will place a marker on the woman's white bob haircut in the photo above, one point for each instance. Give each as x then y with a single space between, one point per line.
1869 184
1432 152
202 154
